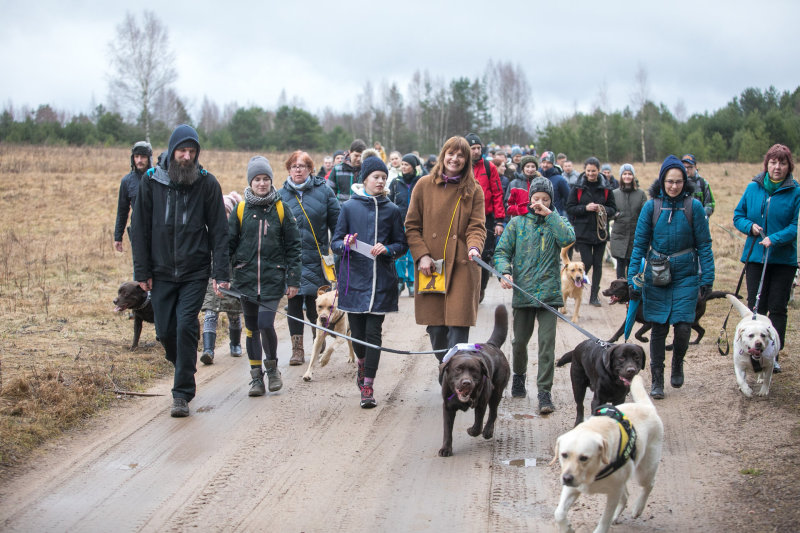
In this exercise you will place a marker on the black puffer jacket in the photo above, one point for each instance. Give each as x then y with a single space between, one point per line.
585 222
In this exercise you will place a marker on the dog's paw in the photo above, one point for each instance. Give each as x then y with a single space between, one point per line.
445 452
668 347
760 378
488 432
746 390
306 377
474 431
764 391
133 347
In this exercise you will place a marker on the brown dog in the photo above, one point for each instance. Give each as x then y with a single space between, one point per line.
132 297
573 278
330 317
475 376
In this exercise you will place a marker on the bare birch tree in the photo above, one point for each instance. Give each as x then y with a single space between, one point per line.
639 99
510 95
142 65
602 106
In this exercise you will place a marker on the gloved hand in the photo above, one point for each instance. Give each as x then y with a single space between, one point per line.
708 211
705 291
633 294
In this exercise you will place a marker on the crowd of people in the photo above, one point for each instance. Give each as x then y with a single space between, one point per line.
391 220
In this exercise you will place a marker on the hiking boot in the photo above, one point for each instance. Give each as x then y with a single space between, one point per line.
209 338
257 383
298 355
274 381
360 373
180 408
676 378
657 389
367 398
236 342
545 403
595 301
518 386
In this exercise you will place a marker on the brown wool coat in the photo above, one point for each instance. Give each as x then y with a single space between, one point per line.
427 221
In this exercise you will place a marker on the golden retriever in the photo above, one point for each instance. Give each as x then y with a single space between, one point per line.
573 278
328 316
592 445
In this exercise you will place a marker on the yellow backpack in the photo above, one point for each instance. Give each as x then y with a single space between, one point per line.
240 212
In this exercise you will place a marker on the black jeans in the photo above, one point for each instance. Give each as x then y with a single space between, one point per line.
592 257
296 310
680 342
445 337
774 299
622 267
259 323
488 250
367 327
175 310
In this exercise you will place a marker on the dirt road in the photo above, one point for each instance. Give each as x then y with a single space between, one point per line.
309 459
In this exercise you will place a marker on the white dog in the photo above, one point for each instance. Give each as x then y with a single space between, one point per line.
756 343
600 444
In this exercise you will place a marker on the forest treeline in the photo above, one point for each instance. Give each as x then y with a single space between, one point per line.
434 110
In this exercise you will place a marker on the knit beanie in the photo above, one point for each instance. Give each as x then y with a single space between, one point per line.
258 165
628 167
142 148
338 152
605 166
670 162
473 139
411 159
540 184
516 150
527 159
370 165
548 156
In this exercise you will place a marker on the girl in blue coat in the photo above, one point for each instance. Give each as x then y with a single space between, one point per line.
691 262
368 285
770 204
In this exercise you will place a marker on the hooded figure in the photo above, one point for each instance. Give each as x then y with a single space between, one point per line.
129 188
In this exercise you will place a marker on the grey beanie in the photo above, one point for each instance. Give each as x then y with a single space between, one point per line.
142 148
628 167
605 166
540 184
258 165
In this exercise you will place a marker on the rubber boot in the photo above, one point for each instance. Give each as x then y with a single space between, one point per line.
257 383
676 379
209 338
275 383
298 355
236 342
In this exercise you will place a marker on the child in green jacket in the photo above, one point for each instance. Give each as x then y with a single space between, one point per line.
528 254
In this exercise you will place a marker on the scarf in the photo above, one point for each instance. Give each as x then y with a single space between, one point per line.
300 187
770 185
251 198
450 179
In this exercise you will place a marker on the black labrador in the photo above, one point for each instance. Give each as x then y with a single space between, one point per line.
132 297
605 368
475 379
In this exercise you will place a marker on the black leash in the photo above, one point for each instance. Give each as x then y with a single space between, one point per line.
239 295
723 347
535 299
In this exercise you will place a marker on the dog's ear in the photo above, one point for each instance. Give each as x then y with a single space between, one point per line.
485 386
607 356
642 356
605 451
322 290
555 453
443 371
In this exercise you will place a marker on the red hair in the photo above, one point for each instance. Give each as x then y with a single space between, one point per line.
301 158
779 152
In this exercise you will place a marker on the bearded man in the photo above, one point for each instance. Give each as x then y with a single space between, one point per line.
178 225
141 161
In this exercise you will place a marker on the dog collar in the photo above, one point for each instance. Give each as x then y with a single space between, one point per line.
627 439
461 347
146 301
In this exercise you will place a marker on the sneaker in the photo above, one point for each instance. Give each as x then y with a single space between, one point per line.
545 403
367 398
180 408
518 386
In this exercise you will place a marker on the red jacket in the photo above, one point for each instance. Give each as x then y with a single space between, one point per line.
492 189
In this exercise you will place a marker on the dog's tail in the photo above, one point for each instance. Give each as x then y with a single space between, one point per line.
740 307
566 358
500 331
638 392
714 295
564 256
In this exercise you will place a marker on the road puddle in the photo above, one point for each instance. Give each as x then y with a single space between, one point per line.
205 408
524 462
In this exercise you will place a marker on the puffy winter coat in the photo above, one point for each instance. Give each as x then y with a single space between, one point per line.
492 189
676 302
529 250
367 286
780 224
518 197
561 189
265 253
585 222
322 208
400 193
629 204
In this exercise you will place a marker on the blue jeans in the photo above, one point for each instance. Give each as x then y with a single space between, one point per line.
175 309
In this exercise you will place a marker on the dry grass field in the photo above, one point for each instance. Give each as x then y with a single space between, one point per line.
63 352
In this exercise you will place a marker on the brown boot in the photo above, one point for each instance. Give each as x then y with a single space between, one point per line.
298 355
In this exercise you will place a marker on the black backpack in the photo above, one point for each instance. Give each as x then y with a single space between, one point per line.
687 209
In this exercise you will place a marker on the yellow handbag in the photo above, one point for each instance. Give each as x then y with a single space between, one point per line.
435 283
328 269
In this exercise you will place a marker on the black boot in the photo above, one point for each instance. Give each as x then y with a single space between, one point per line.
593 299
657 390
676 379
518 386
209 338
236 342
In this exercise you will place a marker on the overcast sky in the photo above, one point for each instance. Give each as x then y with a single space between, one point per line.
323 52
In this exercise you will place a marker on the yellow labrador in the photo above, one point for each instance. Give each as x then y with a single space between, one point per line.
755 346
586 451
333 318
573 278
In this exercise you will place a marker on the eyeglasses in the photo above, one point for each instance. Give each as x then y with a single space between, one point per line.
673 183
298 167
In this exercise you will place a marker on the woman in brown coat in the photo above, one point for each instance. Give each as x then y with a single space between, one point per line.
434 203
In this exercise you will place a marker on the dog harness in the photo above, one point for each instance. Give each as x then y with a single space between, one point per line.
627 439
461 347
